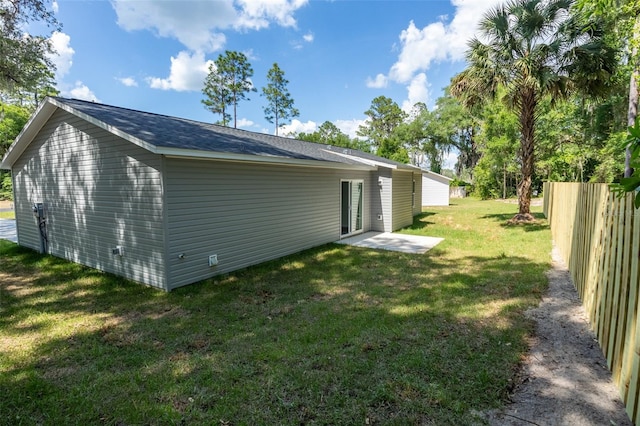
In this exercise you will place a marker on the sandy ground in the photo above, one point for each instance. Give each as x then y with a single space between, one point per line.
565 380
6 204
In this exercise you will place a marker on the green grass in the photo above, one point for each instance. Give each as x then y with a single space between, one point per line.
334 335
8 215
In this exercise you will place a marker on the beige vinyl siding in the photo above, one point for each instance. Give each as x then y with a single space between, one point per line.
381 191
248 213
417 207
401 199
99 191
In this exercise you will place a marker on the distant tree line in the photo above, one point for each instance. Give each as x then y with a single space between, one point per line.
26 71
549 92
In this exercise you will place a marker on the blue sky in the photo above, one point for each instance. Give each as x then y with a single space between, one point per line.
337 55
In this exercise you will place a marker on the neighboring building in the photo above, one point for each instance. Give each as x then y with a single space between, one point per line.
435 189
167 201
457 192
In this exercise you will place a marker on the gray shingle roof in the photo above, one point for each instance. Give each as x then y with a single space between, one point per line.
172 132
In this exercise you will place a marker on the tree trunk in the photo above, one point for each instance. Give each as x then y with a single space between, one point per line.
235 113
527 144
504 181
224 115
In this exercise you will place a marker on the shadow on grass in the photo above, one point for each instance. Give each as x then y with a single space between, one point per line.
333 335
420 222
540 223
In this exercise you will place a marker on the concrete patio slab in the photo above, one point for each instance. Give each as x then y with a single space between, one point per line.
392 241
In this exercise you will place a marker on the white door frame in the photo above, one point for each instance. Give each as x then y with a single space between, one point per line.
351 217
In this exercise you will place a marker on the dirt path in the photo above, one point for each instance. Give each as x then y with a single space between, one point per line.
565 380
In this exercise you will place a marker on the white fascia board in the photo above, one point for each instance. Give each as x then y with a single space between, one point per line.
367 161
409 168
245 158
376 163
429 172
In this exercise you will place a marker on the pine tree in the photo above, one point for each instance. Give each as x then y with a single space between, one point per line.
279 102
228 82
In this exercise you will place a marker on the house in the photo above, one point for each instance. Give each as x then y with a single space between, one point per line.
435 189
167 201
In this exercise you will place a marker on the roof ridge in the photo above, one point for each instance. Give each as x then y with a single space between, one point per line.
294 146
216 126
139 111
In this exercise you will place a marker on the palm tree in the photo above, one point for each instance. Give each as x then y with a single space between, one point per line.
533 48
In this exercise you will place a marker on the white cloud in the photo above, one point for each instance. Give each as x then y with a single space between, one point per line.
198 25
63 60
420 47
63 53
188 71
297 126
245 123
349 127
193 25
257 14
128 81
438 41
417 91
55 7
379 82
465 23
299 44
80 91
249 53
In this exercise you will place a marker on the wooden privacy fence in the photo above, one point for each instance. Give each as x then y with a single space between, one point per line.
598 236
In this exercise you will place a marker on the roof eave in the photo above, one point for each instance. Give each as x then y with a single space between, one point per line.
429 172
375 163
409 168
48 107
252 158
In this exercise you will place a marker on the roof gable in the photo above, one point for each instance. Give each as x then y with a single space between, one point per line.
436 175
175 136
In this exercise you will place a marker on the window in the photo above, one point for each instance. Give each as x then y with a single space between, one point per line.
413 194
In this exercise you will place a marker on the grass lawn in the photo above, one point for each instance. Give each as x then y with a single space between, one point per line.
8 215
334 335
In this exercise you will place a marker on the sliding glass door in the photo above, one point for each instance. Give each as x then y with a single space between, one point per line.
351 206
